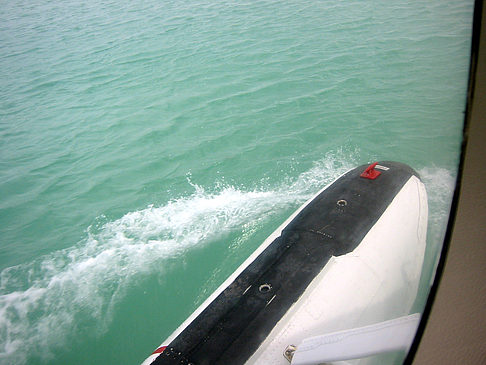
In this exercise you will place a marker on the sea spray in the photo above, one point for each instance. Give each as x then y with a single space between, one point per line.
45 303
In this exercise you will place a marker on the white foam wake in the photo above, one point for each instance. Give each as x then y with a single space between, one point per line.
43 303
440 184
47 302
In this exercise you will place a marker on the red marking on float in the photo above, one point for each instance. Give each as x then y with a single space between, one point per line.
159 350
370 172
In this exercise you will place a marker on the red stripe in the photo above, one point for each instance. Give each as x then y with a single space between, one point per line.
159 350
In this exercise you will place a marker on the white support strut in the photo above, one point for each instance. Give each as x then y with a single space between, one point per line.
392 335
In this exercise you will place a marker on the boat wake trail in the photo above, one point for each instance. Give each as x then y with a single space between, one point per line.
72 292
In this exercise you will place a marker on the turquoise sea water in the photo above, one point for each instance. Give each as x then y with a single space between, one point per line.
147 148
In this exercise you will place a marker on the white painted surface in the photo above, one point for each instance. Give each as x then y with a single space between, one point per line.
393 335
376 282
150 359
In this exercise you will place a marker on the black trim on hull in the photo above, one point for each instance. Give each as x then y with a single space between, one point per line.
233 326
